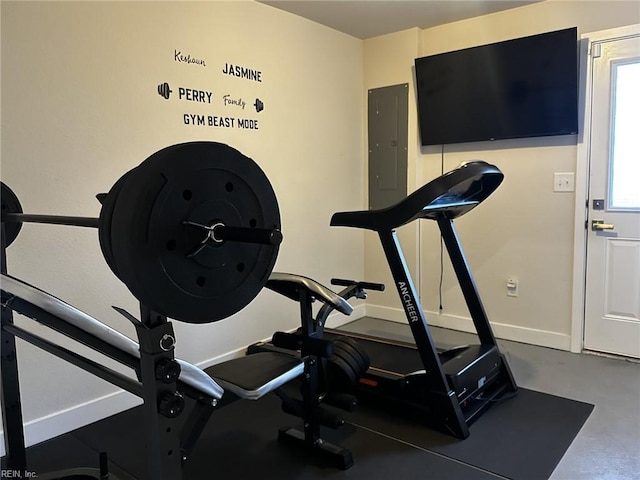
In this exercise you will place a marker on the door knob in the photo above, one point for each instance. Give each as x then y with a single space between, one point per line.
599 225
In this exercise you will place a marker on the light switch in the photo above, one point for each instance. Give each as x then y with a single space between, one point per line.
564 182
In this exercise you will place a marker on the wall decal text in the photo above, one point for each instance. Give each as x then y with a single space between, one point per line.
228 100
179 57
242 72
216 121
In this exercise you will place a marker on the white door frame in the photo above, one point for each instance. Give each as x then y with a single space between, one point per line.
582 180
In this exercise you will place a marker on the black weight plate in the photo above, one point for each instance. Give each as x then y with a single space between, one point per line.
358 351
205 183
104 229
342 374
10 204
123 212
346 352
359 365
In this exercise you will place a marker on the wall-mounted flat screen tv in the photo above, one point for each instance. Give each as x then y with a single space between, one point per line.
527 87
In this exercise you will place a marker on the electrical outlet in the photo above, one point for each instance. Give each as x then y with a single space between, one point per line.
512 287
564 182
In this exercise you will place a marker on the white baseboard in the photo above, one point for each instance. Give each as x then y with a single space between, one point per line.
64 421
532 336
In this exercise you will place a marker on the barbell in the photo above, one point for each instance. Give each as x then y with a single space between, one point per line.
193 231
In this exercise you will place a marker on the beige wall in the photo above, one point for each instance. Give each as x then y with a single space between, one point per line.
524 230
80 107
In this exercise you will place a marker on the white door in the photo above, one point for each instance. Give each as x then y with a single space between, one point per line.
612 304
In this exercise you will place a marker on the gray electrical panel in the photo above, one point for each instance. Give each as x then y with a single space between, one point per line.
388 120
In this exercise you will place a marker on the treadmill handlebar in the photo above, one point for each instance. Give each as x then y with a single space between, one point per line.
448 196
366 285
352 288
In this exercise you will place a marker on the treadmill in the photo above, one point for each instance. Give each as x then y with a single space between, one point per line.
445 389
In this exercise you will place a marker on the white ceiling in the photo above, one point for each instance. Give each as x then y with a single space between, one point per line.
371 18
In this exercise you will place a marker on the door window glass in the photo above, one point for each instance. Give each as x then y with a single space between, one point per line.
624 190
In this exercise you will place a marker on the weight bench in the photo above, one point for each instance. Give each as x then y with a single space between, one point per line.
249 377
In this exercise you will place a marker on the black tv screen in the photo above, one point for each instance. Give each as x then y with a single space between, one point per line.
527 87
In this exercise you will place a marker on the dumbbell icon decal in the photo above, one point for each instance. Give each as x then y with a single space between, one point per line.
259 105
164 90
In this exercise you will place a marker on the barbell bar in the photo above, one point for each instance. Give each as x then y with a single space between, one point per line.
51 220
220 232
